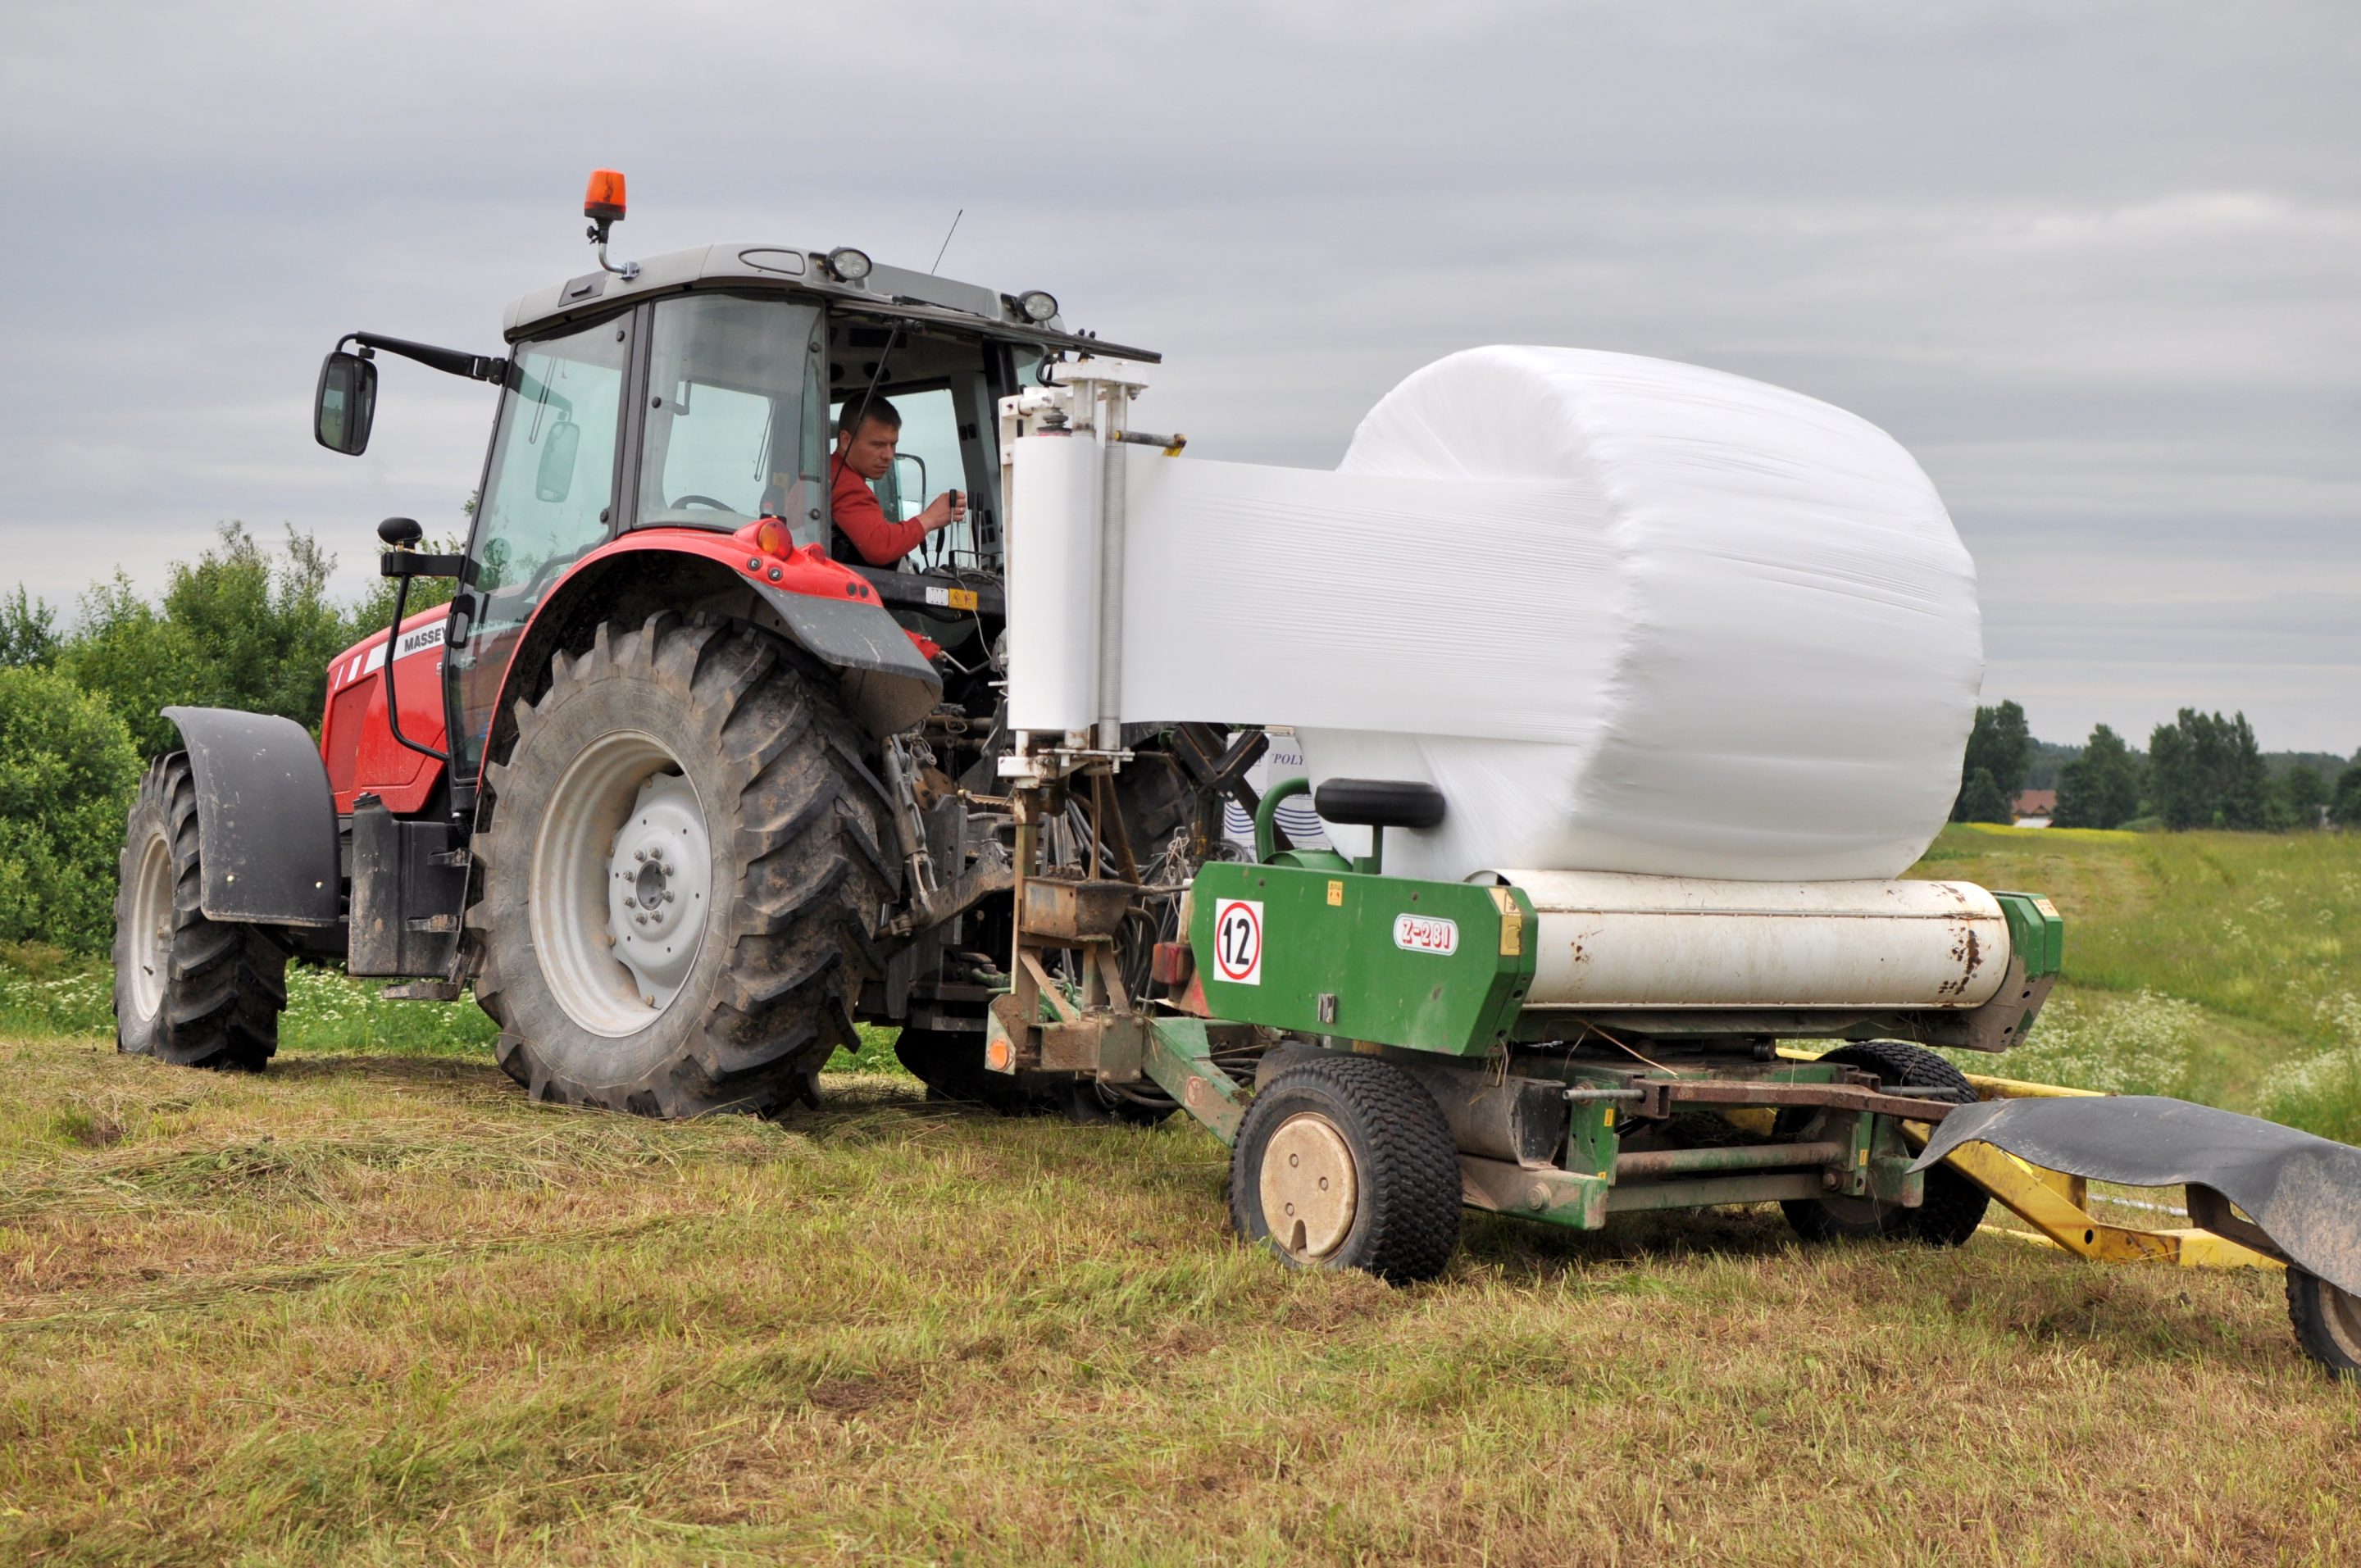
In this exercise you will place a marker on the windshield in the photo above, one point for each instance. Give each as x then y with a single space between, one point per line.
734 415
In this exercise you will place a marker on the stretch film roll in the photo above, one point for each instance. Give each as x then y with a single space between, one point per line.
1627 615
1053 584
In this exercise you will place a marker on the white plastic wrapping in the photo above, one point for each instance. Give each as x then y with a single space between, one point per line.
1053 587
1627 615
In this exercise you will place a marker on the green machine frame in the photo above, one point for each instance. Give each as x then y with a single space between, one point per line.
1336 956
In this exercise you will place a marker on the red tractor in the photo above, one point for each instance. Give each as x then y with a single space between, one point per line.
677 785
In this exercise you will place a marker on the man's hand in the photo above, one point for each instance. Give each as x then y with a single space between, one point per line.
949 508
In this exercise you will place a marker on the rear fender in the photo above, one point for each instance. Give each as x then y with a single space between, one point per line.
822 604
266 821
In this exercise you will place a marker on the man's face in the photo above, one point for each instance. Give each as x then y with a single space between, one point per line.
869 452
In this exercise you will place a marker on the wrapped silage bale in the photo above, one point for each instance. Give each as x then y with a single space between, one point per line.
1739 640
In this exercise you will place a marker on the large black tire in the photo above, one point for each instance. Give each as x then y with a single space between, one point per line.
1336 1120
2327 1323
794 825
1953 1206
189 990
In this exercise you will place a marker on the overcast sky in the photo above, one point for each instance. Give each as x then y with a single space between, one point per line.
2097 266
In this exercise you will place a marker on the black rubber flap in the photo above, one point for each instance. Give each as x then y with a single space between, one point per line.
2304 1192
266 820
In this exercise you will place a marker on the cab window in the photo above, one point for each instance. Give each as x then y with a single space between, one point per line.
733 422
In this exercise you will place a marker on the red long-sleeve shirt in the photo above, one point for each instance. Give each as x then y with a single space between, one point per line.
862 521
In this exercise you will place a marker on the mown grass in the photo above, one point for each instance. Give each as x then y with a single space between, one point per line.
373 1309
374 1306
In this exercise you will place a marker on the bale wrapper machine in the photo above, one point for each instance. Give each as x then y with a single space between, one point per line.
1380 1052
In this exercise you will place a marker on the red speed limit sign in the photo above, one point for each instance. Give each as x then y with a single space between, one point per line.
1237 940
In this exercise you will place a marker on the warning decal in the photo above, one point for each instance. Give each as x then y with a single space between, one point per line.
1237 940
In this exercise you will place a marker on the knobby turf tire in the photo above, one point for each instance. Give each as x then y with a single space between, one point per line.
2327 1323
222 984
798 825
1953 1206
1407 1225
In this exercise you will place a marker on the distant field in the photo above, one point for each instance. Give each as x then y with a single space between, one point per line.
2218 967
374 1306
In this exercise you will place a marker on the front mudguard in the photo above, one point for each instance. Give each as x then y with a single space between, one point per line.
266 819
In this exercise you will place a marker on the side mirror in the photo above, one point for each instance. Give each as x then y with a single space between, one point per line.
345 404
554 477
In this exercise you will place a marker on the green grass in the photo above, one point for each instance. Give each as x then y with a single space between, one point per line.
2219 966
374 1306
46 994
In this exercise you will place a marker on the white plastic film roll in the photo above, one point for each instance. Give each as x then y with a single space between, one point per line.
1053 584
1627 615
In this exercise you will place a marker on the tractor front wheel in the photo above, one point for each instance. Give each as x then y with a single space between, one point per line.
189 990
1346 1162
683 874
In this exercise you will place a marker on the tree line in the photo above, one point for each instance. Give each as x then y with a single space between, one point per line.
81 704
2200 771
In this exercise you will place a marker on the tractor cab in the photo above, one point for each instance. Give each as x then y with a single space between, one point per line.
695 393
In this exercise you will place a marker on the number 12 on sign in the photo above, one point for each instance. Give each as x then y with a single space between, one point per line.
1237 940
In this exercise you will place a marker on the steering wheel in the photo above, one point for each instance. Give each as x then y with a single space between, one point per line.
704 501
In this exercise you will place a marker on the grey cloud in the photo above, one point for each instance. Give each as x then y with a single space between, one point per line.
2094 265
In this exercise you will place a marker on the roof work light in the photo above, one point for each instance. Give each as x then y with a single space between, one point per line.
1038 305
848 264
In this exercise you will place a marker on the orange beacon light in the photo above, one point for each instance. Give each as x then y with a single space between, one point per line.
604 200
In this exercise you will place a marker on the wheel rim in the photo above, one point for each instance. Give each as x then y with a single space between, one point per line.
2340 1316
152 926
621 881
1311 1191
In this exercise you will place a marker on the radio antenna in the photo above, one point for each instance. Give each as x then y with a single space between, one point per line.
947 239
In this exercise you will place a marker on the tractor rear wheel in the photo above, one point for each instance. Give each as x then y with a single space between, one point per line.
1346 1162
1953 1206
684 867
2327 1323
189 990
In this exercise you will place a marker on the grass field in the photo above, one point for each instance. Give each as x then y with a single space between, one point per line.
374 1306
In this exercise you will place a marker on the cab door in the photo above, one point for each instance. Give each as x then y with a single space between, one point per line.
549 499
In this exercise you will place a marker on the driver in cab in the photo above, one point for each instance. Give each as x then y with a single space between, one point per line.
866 436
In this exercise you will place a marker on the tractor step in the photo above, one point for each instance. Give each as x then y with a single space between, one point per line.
422 990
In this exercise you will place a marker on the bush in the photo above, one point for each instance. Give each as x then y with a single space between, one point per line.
67 773
2139 1045
237 629
2322 1094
